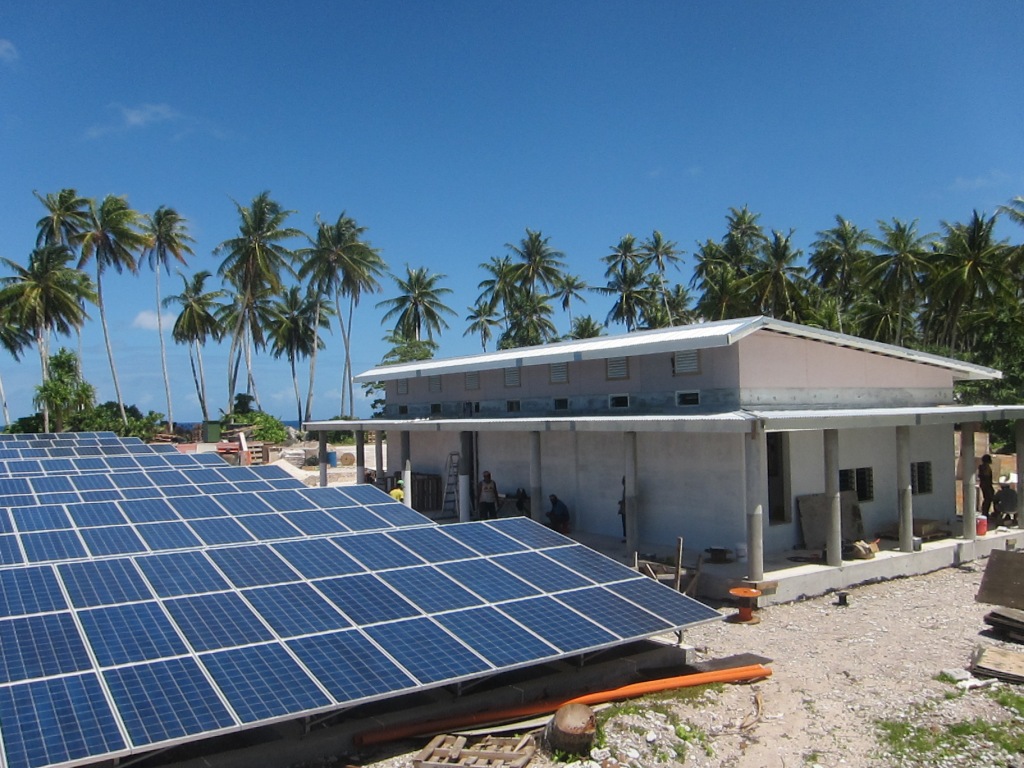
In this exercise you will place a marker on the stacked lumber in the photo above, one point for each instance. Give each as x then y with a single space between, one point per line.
1007 622
490 752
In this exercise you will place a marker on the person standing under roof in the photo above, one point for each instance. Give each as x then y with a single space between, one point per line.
487 497
559 515
987 490
398 492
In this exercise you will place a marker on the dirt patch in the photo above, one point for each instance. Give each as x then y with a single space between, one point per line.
838 673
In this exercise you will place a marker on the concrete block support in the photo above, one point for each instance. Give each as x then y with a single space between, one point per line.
537 506
360 461
969 480
321 454
906 496
834 535
465 494
631 510
754 454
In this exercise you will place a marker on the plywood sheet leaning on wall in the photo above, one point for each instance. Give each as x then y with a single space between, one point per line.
814 510
1003 580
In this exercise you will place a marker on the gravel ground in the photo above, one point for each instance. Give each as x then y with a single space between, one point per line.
837 672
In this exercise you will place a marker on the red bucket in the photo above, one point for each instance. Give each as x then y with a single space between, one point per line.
982 525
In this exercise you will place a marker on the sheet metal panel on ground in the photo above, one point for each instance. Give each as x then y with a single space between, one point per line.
150 598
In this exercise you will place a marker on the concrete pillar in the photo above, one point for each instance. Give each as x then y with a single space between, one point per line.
360 461
537 507
378 453
465 496
906 496
404 449
754 453
321 455
632 509
834 530
407 484
968 480
1018 430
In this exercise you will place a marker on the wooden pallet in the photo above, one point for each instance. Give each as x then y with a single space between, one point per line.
490 752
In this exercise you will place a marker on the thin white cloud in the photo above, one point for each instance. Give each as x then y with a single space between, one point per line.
990 180
134 118
146 319
8 53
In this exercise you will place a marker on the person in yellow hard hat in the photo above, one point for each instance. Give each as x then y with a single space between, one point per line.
398 492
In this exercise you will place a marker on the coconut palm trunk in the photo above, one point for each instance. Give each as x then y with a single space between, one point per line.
110 348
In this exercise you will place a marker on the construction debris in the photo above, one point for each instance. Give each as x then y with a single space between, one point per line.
1007 622
995 662
489 752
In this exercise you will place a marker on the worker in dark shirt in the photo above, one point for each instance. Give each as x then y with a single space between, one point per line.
559 515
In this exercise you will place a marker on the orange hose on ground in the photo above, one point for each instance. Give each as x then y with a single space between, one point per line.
733 675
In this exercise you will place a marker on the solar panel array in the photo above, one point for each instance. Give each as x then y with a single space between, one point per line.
161 598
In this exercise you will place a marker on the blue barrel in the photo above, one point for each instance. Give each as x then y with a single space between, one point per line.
332 458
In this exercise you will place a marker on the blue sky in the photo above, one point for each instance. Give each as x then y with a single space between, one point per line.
449 128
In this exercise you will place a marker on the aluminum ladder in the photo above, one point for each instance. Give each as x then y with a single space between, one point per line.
450 500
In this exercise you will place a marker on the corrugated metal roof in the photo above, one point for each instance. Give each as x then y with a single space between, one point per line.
698 336
731 421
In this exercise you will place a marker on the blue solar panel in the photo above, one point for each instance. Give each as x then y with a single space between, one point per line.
492 583
181 573
10 552
560 626
427 651
541 572
295 609
60 720
432 544
51 484
252 566
263 682
287 501
14 486
40 646
314 522
359 519
674 607
400 515
166 700
96 513
40 518
162 536
91 482
529 532
52 545
593 565
130 479
614 613
350 666
317 558
327 498
377 551
484 539
58 498
122 634
210 459
269 527
499 639
148 510
103 582
366 599
242 503
220 530
112 540
5 522
366 494
108 495
190 507
142 493
29 590
203 476
430 589
220 620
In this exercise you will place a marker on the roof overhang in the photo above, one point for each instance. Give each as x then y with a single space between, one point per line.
721 333
732 421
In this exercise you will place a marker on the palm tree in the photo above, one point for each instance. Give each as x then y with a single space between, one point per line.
776 280
720 285
568 287
898 269
969 280
539 263
253 265
500 286
14 338
624 256
167 233
837 262
633 295
48 296
67 217
112 239
483 319
195 324
418 307
586 327
64 393
743 240
660 254
293 329
340 262
529 322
